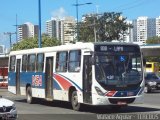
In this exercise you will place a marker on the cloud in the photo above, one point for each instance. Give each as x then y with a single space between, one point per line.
59 13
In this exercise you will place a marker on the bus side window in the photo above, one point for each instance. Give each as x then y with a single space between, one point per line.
24 63
74 61
40 62
31 63
12 63
61 61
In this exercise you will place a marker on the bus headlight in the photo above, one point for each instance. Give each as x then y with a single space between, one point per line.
99 92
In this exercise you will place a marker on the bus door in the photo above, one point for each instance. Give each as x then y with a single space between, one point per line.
18 76
49 77
87 79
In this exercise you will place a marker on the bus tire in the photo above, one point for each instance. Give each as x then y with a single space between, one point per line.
29 95
74 101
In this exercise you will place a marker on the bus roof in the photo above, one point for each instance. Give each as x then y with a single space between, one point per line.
78 45
54 48
115 43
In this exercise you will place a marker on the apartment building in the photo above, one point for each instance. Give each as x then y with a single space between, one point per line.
27 30
61 29
158 26
144 28
54 28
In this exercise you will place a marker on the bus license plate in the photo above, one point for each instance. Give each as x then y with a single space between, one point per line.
121 103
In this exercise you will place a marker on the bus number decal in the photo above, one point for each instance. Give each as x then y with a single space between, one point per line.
103 48
118 48
37 80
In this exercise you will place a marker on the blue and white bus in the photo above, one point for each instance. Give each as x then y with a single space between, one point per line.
82 73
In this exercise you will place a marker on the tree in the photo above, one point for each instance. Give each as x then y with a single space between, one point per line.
109 26
86 29
30 43
153 40
113 26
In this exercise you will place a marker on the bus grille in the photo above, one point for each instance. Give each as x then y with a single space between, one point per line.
116 100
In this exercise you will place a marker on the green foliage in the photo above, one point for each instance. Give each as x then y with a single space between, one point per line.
33 43
113 26
86 29
109 26
152 59
153 40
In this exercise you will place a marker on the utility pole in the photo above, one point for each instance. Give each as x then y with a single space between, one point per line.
95 31
39 18
16 25
77 10
10 37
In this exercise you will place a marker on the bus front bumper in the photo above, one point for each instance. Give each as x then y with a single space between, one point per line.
104 100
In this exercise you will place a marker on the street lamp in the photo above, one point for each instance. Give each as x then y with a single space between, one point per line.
77 4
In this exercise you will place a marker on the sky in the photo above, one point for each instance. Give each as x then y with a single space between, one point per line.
27 11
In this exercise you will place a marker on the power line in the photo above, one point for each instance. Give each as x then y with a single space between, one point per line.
136 5
126 4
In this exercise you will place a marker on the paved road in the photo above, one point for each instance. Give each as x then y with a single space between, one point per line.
58 110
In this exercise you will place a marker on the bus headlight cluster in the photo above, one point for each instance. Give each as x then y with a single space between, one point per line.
99 92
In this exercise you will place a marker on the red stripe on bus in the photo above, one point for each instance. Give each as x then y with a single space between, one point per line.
63 82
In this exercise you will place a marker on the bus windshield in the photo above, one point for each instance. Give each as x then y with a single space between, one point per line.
118 70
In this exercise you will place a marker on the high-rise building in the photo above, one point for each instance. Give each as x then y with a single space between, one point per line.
158 26
61 29
143 28
27 30
69 24
127 36
134 34
54 28
151 27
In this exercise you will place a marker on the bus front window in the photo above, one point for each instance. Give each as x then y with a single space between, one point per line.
118 70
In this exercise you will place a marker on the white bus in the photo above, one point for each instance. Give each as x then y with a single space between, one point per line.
81 73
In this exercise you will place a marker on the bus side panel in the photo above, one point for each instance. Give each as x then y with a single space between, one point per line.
63 82
61 86
12 82
36 81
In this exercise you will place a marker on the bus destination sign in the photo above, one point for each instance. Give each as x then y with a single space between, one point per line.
115 48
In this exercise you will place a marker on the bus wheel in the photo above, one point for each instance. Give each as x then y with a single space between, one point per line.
29 95
74 101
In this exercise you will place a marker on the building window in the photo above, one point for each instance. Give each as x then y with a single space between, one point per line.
40 62
31 62
12 63
24 63
74 61
61 61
